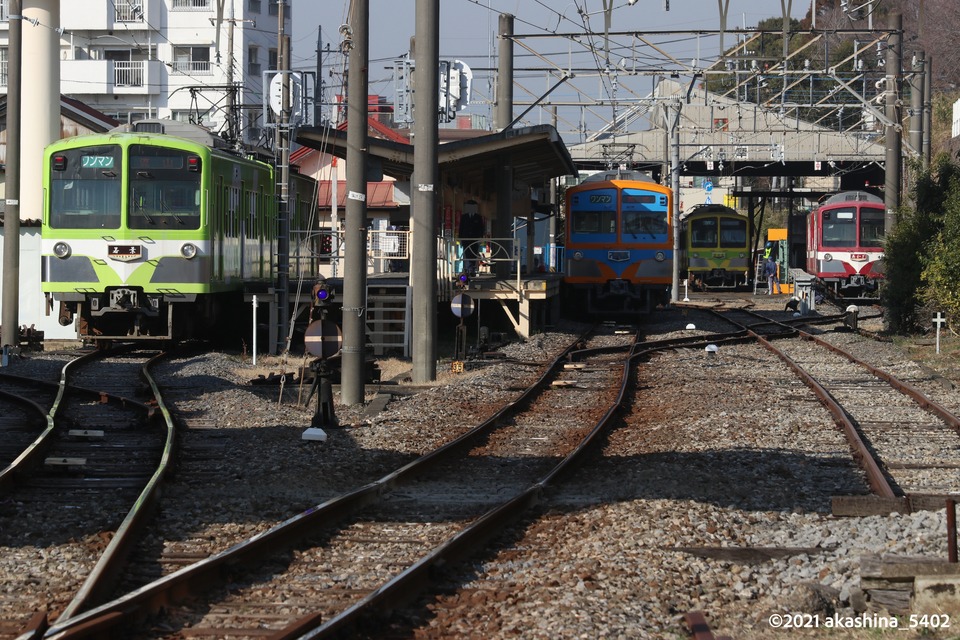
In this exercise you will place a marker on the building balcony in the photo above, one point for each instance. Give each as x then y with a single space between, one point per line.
137 77
136 15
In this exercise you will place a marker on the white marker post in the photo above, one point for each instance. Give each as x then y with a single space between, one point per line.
938 320
686 298
254 330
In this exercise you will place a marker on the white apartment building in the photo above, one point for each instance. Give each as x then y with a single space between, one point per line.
136 59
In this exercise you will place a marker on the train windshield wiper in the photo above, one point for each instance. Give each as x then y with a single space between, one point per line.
163 208
139 207
645 225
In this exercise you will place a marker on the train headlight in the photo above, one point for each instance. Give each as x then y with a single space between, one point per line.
827 257
188 250
578 255
660 257
61 250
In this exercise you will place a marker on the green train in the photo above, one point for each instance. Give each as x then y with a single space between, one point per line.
156 231
715 247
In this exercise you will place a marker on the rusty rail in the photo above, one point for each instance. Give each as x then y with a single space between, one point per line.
697 623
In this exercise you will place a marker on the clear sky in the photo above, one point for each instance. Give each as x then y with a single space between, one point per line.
468 27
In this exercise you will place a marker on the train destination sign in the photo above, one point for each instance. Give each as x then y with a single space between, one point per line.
124 252
96 162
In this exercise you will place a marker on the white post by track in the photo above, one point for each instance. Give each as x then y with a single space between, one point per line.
254 330
938 320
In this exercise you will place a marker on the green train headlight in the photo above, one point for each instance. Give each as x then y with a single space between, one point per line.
61 250
188 250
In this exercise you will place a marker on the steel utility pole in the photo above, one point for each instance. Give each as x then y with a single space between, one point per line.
11 216
283 205
894 144
423 276
352 375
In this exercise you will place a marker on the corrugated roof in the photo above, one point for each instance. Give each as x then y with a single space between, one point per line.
379 195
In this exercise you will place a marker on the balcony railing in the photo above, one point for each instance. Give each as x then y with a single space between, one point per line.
3 73
127 73
192 67
129 10
191 5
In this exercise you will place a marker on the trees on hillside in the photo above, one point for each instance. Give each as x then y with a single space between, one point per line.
922 254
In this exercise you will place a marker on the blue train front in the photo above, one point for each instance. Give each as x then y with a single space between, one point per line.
619 244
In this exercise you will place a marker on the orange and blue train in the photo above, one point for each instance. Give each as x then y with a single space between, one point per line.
619 244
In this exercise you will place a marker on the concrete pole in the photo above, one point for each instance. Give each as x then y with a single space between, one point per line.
11 219
425 183
502 225
40 106
503 114
353 376
891 191
675 207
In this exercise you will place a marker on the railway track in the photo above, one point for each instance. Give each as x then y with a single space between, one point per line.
82 482
324 570
700 453
906 442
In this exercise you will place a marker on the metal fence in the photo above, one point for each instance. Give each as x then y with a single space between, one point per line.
128 73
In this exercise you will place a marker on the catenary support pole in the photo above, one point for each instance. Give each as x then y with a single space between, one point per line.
352 374
11 217
893 134
423 276
927 109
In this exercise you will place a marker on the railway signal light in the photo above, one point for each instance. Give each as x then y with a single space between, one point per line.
463 280
323 293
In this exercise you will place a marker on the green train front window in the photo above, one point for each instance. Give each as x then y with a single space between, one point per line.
733 233
703 233
85 188
164 188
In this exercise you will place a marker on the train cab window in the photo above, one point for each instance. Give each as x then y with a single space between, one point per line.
703 233
593 215
643 223
871 227
733 233
594 222
840 227
164 188
85 186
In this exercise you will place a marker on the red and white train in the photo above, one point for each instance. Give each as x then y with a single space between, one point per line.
845 243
